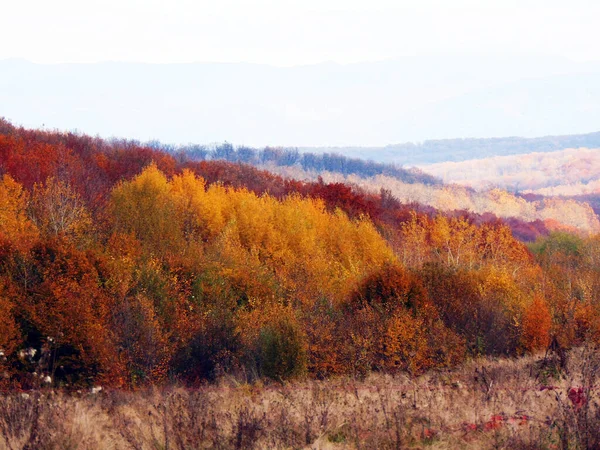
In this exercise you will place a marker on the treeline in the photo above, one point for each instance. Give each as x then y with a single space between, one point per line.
121 265
332 162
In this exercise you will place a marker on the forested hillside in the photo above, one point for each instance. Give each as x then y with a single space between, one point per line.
125 265
553 212
414 186
573 171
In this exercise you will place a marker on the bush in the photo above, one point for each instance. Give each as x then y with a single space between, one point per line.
282 350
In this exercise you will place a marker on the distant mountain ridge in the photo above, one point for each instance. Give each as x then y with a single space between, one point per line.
443 150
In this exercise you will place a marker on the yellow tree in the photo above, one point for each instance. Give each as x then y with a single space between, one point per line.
455 240
14 223
415 246
145 208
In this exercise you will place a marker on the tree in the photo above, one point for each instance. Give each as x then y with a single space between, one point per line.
66 303
537 324
57 210
14 223
144 207
10 335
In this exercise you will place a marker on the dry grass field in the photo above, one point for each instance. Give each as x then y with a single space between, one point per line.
525 403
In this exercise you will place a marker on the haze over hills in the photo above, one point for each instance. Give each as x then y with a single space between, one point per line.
563 172
365 104
431 152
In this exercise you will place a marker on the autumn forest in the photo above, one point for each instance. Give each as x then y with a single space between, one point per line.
125 266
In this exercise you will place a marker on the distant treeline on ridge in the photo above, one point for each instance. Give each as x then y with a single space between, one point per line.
332 162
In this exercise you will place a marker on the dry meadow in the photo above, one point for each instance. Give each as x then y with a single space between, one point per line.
525 403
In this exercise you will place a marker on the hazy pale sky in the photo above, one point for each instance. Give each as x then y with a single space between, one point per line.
284 32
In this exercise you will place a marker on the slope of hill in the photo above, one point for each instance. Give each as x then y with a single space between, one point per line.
413 186
122 264
128 266
570 212
410 187
564 172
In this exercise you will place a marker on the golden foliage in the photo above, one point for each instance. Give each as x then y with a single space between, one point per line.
14 223
308 249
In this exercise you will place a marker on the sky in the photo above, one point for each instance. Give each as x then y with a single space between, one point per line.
431 69
290 33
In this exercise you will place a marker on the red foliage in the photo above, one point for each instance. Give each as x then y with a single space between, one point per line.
495 422
577 397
